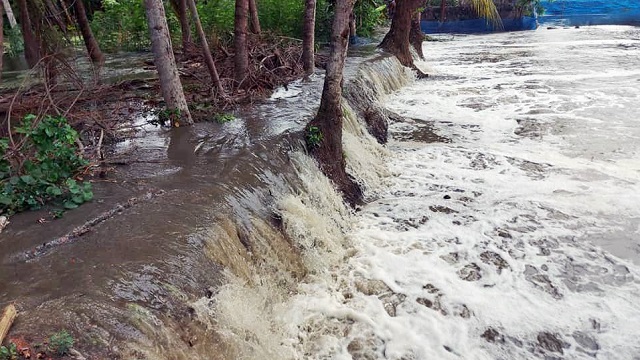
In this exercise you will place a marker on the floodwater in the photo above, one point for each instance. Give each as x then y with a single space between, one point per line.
503 220
514 236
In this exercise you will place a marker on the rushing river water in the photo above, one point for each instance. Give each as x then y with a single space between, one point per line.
503 220
516 234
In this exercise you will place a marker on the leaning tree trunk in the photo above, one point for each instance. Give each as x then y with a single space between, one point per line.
254 25
31 46
328 122
184 24
397 39
241 57
1 39
416 36
206 52
165 62
308 37
87 35
9 12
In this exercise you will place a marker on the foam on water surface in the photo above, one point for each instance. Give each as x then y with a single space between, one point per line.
519 238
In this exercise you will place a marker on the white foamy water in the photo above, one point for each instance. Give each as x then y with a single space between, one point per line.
519 238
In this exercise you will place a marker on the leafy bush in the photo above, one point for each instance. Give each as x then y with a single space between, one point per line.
8 352
41 166
61 342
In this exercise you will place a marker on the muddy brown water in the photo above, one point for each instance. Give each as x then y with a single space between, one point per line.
150 257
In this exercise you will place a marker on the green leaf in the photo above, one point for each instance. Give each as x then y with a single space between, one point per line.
54 190
87 195
78 199
27 179
70 205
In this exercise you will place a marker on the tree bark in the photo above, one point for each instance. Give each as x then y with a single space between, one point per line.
255 20
1 39
397 39
93 49
240 41
416 36
206 52
328 152
184 24
54 14
308 37
31 48
166 64
9 12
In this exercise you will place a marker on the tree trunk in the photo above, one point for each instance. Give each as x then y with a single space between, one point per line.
255 21
397 39
308 37
31 48
1 39
206 52
328 121
184 24
165 62
240 41
416 36
443 10
54 14
87 35
10 16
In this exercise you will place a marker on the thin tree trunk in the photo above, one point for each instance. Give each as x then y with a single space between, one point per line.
308 37
1 39
255 20
443 10
66 11
31 52
240 41
206 52
328 121
397 39
184 24
9 12
87 35
54 13
165 62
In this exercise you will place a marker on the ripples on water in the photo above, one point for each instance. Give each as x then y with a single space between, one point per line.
516 234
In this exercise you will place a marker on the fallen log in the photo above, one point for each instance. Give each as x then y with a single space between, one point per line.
8 316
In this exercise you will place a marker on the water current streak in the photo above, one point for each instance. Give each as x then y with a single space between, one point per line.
517 239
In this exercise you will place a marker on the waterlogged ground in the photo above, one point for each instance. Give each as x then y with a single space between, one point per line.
516 234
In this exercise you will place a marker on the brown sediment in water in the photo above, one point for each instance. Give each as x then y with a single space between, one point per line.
140 283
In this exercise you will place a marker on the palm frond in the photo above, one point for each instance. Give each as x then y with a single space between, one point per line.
488 10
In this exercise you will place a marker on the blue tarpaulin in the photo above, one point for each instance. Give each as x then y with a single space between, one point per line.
591 12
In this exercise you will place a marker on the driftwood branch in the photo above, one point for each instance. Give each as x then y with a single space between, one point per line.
8 316
76 233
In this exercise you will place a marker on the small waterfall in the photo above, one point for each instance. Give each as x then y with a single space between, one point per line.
267 271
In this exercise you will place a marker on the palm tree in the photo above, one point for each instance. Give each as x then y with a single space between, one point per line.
397 39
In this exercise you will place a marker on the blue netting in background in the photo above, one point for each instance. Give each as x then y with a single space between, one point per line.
591 12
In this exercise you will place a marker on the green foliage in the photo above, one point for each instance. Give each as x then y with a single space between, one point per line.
14 42
8 353
121 25
283 17
314 137
222 118
165 117
42 168
368 16
61 342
